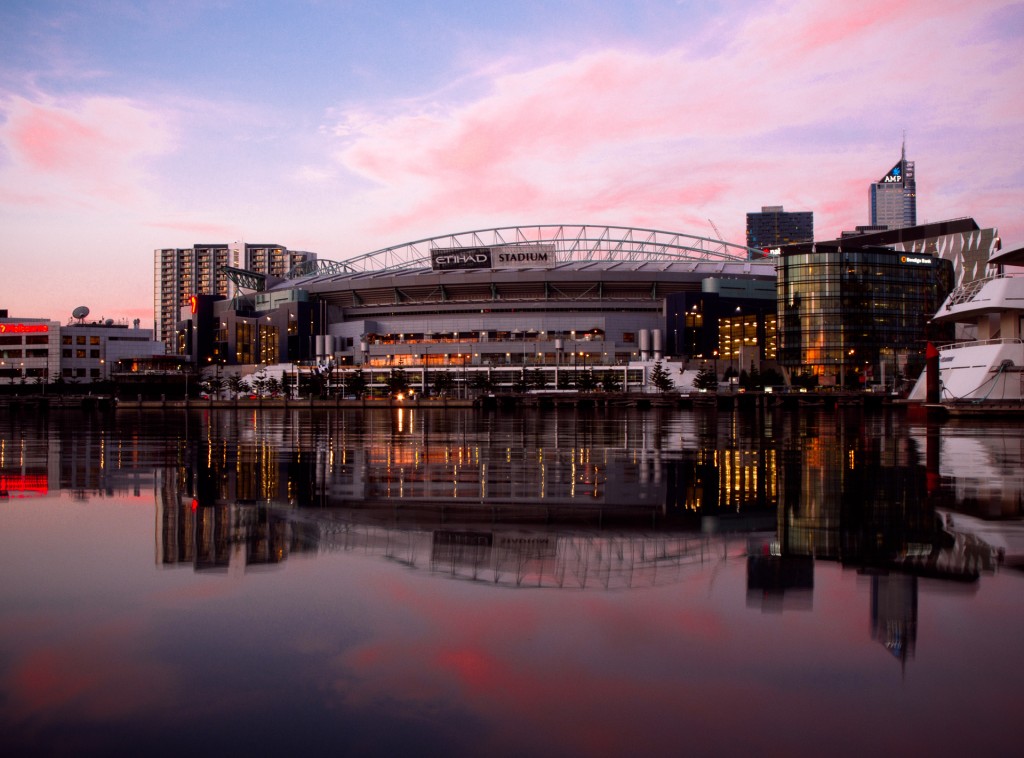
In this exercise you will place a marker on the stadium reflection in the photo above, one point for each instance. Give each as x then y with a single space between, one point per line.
599 502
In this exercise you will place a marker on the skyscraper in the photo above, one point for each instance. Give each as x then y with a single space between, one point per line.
773 227
180 273
894 196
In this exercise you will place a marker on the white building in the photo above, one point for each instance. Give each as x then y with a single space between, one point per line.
89 352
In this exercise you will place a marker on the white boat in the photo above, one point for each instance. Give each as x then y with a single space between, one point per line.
983 372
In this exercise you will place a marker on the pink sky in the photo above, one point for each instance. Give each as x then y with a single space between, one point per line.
342 131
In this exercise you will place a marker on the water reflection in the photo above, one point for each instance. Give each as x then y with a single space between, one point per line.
586 531
531 499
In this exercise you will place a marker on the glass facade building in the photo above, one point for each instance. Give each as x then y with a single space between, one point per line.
858 317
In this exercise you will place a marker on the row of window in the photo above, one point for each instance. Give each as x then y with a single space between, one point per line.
33 353
79 353
33 339
80 339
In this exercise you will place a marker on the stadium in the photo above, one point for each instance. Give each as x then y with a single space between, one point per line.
565 305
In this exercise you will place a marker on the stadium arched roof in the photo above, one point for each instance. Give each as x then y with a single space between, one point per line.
571 243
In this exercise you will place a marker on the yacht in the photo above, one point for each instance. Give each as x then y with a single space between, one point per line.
983 371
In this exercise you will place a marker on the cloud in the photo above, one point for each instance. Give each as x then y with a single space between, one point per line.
84 153
803 104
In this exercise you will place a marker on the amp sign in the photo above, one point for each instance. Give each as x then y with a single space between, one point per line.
895 176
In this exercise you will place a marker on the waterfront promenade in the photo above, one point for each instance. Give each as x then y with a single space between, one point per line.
722 401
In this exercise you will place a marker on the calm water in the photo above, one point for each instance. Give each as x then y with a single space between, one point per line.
434 583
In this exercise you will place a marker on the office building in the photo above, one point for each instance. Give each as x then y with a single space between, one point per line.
853 317
774 227
203 269
92 352
961 241
893 198
29 350
857 309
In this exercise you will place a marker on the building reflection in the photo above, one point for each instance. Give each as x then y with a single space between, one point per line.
561 500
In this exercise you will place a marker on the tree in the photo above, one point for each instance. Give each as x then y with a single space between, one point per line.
772 377
805 379
660 378
586 382
273 386
521 383
441 383
320 378
259 384
610 382
213 386
538 379
355 383
706 379
398 381
237 385
482 382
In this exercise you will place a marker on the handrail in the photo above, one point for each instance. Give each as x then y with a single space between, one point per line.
979 343
966 292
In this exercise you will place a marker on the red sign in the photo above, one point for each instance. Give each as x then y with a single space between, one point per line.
193 302
18 485
23 328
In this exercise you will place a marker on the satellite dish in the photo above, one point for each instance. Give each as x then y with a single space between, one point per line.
109 322
80 312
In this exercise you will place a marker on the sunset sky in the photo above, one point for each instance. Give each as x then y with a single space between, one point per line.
344 127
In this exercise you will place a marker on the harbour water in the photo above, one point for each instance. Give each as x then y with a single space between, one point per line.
455 582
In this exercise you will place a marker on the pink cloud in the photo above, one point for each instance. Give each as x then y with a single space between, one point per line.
614 136
83 153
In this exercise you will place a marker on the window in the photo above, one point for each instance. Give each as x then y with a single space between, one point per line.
66 339
94 340
65 353
80 339
94 353
80 353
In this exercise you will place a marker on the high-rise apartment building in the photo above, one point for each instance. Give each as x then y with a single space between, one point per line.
180 273
894 196
774 227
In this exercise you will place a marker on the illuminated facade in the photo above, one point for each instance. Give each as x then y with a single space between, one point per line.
488 305
29 350
857 317
180 273
730 321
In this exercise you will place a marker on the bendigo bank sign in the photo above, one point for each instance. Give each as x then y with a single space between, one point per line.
496 257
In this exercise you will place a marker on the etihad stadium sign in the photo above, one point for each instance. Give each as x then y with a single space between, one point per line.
539 255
